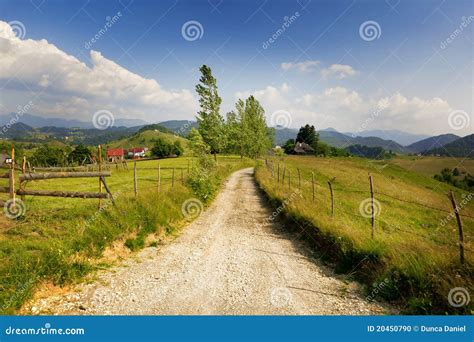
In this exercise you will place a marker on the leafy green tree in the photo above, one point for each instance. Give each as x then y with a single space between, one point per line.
79 154
211 123
289 146
163 148
234 134
308 135
49 156
255 133
177 148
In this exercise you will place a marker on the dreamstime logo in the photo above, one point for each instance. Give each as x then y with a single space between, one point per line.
466 199
192 208
109 22
14 209
21 110
457 32
192 30
365 208
103 119
287 21
458 119
18 28
376 288
458 297
370 30
280 297
280 119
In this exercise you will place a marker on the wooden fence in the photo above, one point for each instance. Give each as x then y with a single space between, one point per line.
282 175
30 175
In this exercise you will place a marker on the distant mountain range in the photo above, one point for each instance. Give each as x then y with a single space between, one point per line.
31 128
38 121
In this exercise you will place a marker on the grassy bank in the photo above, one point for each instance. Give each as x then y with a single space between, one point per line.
413 258
61 240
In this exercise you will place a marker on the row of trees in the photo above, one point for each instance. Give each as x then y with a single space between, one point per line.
245 131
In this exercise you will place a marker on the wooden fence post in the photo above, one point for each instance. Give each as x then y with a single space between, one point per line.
461 233
12 181
135 187
99 150
299 178
23 171
283 175
278 177
372 204
188 167
159 177
182 177
312 183
332 198
172 179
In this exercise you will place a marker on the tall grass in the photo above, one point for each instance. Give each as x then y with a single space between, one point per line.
411 247
61 240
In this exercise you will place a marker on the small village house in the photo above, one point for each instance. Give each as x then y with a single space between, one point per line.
137 152
115 155
303 148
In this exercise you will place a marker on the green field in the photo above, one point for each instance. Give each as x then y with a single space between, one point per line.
59 240
411 246
429 166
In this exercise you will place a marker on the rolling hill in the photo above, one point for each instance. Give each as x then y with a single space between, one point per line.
463 147
400 137
433 142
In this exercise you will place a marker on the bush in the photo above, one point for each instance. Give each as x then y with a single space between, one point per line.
163 149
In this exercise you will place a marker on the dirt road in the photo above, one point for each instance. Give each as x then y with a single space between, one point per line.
229 261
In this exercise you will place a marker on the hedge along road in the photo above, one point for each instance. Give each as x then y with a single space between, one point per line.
232 260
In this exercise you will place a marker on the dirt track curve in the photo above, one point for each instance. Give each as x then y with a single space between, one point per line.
229 261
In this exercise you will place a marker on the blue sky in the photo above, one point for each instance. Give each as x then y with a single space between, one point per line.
319 70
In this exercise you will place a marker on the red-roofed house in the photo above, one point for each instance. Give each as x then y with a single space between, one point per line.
137 152
115 155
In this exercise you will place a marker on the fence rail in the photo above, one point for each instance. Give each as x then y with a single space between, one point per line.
281 174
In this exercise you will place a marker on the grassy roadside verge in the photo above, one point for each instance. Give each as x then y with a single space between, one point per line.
412 260
60 241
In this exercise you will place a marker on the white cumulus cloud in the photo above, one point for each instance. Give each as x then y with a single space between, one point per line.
338 71
67 86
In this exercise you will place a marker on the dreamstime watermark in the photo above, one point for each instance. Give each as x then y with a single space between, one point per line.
46 330
183 129
287 21
96 215
18 28
280 297
282 206
457 32
280 119
192 208
458 297
365 207
21 110
192 30
460 205
374 115
13 209
109 22
459 119
103 119
376 289
370 30
19 292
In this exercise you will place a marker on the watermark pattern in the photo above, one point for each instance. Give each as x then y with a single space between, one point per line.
103 119
14 209
192 208
109 22
192 30
183 129
466 199
280 119
287 22
365 207
374 115
19 292
458 297
21 110
457 32
18 28
370 30
376 289
458 119
280 297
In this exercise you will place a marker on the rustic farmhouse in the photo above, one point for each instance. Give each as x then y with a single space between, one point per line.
115 155
303 148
